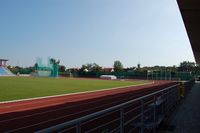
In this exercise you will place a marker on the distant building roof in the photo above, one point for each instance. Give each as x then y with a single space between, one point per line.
108 69
3 59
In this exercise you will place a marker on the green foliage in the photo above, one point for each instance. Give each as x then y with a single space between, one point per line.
36 66
160 68
118 66
96 68
53 61
62 68
91 67
21 70
186 66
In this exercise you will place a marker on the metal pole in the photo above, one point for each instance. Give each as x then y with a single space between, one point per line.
167 102
156 75
78 127
121 120
160 74
163 104
142 116
154 114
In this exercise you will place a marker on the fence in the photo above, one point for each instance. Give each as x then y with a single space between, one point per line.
143 114
150 75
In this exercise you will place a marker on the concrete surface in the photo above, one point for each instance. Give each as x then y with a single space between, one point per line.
186 118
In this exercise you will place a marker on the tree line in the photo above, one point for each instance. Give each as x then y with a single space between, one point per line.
185 66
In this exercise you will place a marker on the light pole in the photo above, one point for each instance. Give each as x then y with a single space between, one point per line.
161 74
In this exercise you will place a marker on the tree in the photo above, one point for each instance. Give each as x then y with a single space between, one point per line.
21 70
186 66
96 68
91 67
53 61
197 69
62 68
36 66
84 68
118 66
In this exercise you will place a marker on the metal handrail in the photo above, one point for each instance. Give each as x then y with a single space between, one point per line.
96 114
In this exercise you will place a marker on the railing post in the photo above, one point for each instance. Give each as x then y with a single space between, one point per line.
78 127
154 114
121 120
174 97
142 116
163 104
140 120
167 102
177 94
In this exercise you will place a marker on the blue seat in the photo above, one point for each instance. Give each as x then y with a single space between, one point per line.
3 71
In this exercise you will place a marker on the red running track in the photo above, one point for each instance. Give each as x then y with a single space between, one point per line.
33 115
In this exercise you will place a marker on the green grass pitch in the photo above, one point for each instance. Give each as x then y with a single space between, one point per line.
15 88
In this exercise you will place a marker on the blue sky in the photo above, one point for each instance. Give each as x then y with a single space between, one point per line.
86 31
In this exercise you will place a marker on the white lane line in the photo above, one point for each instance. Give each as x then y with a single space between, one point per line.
44 112
45 97
54 119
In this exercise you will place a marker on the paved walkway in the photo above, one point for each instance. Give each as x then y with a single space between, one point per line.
186 118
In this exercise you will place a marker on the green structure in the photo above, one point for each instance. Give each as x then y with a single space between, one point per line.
49 70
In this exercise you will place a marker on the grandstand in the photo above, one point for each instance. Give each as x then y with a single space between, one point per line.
4 71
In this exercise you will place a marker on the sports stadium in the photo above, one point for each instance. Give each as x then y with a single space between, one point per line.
44 102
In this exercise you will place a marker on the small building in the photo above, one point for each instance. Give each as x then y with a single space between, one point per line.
110 77
3 62
108 69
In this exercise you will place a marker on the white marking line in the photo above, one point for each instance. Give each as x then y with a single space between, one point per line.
63 108
49 111
54 119
55 110
45 97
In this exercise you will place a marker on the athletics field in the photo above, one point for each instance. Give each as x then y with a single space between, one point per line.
16 88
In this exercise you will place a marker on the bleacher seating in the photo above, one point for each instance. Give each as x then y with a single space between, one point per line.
5 72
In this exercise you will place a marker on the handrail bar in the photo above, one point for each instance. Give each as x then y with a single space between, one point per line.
101 112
